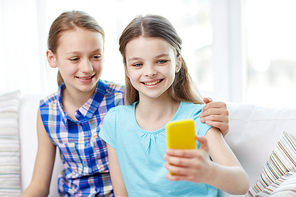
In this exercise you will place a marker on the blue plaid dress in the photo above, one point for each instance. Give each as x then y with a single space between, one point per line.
82 152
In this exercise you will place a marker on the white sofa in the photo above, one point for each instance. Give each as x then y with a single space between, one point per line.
254 132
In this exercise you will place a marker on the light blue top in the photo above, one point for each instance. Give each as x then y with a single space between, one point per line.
140 153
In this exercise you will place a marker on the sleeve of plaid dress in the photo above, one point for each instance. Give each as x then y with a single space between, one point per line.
107 132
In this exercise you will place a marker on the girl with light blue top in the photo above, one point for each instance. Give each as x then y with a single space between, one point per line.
158 90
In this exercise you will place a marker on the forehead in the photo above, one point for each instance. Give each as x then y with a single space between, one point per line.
80 39
148 45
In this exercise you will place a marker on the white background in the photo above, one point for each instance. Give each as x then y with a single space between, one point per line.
236 50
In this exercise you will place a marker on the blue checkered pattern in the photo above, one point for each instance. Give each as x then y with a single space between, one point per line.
82 152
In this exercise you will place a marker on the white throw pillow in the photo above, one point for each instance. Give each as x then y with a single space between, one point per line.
9 145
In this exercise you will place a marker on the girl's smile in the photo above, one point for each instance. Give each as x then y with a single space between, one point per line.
86 79
151 83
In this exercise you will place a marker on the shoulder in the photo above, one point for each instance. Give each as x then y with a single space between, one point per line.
49 100
119 113
111 92
192 108
114 87
49 108
193 111
53 98
117 116
109 88
121 110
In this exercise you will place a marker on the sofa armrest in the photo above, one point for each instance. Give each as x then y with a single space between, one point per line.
253 134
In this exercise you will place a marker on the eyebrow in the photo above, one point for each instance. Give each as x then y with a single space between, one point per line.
161 55
75 52
158 56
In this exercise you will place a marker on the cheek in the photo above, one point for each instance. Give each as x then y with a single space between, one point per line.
67 69
98 66
133 74
98 69
170 72
133 77
72 69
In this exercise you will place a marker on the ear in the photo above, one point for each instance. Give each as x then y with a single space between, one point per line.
51 58
178 64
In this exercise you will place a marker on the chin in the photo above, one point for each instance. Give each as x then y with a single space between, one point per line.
88 88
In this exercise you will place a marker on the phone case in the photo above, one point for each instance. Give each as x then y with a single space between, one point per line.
181 134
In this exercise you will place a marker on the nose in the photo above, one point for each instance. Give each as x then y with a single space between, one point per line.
86 66
150 71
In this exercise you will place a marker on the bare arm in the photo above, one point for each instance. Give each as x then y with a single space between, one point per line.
231 176
115 172
224 173
44 162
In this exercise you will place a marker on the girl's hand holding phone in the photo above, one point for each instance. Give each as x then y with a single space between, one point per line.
191 165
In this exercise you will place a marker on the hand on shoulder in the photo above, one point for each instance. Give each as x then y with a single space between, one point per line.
216 115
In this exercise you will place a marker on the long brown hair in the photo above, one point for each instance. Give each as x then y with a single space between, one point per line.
69 21
183 88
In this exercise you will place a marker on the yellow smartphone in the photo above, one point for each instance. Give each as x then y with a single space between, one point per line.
181 134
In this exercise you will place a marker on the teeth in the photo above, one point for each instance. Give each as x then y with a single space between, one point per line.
152 83
85 78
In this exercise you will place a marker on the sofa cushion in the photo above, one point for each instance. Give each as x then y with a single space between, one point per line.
9 145
281 161
284 186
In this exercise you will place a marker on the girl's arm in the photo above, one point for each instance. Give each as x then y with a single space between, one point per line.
44 162
115 172
232 177
224 173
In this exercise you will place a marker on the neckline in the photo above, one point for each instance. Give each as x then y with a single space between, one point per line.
88 109
156 131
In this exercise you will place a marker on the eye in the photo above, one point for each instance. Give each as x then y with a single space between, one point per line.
137 64
162 61
97 57
74 59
